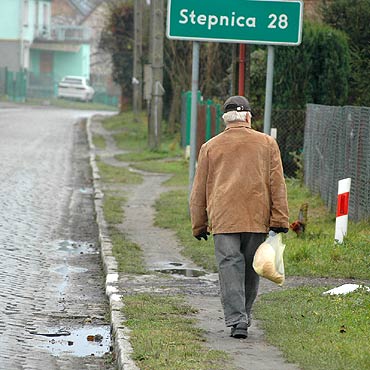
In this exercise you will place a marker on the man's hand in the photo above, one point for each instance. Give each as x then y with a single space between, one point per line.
203 234
278 230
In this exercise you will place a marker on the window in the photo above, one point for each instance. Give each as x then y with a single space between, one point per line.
45 14
25 12
37 15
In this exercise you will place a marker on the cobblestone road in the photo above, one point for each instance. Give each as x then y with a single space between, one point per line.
51 280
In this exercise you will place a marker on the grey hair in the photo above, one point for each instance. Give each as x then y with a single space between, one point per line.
234 116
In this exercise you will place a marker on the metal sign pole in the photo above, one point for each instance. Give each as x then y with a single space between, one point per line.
193 127
269 84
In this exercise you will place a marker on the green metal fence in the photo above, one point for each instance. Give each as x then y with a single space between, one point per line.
22 85
2 81
16 85
209 119
103 98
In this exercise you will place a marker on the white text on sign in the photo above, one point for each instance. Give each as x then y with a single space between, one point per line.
233 20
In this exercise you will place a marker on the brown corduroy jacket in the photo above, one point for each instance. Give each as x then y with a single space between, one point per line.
239 184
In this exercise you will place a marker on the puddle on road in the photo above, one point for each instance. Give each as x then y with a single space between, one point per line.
86 191
76 247
66 269
182 272
81 342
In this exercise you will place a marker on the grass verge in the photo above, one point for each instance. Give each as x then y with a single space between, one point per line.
69 104
119 175
316 254
178 168
164 336
320 332
128 254
172 213
99 141
112 208
132 135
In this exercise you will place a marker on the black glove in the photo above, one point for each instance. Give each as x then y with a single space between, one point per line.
278 230
203 234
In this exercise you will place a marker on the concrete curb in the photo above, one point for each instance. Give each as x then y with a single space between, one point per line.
121 334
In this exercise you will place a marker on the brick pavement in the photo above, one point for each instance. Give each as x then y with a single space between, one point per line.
50 273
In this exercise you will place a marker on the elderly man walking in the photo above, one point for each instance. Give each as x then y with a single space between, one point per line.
238 194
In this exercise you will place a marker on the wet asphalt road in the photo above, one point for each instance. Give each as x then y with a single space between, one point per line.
51 280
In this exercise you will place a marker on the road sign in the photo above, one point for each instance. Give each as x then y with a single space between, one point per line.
242 21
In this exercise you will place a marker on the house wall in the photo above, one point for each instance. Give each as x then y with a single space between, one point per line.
29 13
10 19
72 64
10 54
20 21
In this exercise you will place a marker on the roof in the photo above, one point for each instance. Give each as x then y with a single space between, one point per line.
85 7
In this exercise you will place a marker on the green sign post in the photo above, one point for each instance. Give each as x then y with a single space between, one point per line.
271 22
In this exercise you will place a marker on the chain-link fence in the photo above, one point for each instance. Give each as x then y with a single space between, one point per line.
289 125
337 146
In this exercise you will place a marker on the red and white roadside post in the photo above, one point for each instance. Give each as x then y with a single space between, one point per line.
341 222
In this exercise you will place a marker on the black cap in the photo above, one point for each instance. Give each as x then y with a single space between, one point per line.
237 103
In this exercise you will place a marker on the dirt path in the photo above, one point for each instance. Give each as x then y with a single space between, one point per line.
162 251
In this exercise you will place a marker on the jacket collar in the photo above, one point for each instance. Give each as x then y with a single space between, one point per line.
237 124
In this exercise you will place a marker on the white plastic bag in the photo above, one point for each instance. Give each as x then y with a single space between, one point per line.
268 259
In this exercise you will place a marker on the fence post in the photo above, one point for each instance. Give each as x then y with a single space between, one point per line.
274 133
208 119
341 222
10 85
218 118
24 85
188 116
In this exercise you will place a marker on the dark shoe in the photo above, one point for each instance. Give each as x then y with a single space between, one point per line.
240 331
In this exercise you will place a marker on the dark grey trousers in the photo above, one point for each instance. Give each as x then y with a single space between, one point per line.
238 280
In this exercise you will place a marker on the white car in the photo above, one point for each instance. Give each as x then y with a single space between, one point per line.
75 87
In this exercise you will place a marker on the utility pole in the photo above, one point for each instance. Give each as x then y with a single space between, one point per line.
234 74
156 41
248 71
137 79
241 85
